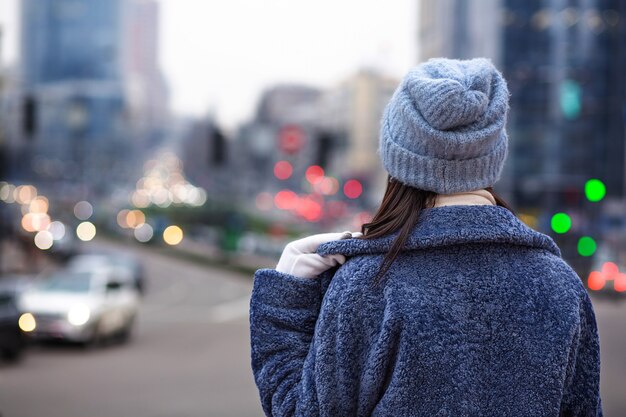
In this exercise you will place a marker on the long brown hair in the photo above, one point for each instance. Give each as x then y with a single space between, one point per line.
400 210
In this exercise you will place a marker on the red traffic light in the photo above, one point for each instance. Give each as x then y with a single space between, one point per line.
291 139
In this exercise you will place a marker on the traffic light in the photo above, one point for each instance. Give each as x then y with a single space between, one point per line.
325 142
291 139
595 190
570 99
561 223
217 144
29 116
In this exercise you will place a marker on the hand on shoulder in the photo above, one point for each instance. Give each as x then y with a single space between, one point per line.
299 258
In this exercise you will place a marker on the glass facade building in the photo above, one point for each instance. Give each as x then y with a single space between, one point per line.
70 40
71 67
565 62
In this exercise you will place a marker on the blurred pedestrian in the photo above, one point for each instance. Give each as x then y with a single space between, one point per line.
447 305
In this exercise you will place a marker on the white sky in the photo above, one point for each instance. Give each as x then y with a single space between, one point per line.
218 55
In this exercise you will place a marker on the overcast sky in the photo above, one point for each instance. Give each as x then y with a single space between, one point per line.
218 55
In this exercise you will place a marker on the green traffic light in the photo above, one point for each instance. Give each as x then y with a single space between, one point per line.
586 246
595 190
561 223
570 98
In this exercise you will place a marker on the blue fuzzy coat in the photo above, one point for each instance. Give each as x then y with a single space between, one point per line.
479 316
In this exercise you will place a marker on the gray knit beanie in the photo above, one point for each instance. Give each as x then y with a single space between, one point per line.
443 129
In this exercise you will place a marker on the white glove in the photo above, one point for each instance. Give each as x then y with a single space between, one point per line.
299 257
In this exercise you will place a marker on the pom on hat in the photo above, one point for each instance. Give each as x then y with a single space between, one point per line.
443 129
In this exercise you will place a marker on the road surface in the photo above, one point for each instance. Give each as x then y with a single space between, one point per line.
190 356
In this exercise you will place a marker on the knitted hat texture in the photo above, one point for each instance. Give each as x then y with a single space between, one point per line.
444 127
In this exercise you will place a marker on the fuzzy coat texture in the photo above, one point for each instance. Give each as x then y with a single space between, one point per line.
479 316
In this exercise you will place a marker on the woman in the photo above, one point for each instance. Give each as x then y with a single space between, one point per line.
447 305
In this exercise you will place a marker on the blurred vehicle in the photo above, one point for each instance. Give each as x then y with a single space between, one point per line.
81 306
65 248
608 272
12 340
89 261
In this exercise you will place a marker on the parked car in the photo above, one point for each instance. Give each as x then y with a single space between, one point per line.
89 261
12 340
81 306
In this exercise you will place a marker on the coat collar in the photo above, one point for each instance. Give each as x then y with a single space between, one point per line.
452 225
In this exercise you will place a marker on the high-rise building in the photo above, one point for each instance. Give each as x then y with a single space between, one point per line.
565 64
71 40
74 103
146 88
564 61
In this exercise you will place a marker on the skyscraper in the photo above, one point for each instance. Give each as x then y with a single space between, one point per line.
75 105
145 85
70 40
565 62
565 65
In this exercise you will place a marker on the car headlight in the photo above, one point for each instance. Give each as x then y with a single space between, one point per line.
78 315
27 322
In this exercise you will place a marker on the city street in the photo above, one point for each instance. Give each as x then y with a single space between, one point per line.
190 356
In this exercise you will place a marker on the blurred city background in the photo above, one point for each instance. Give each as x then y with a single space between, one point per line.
154 153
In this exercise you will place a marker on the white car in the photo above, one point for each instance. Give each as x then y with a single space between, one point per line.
89 261
81 306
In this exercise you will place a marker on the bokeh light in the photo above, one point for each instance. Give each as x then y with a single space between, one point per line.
352 189
144 233
586 246
121 218
135 218
40 221
27 322
44 239
57 229
173 235
83 210
595 190
314 174
140 199
282 170
286 200
164 184
610 270
570 98
309 209
24 194
327 186
86 231
595 281
38 205
27 222
561 223
7 192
